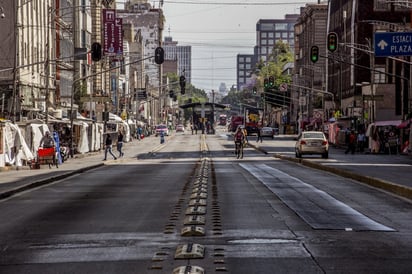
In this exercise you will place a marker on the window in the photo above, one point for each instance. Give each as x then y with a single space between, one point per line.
281 26
381 5
380 78
266 27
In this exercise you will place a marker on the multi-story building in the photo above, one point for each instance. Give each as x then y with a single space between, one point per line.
245 65
25 71
182 55
270 31
355 75
148 21
45 45
310 97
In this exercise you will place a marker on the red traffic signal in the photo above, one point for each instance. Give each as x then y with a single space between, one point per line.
332 41
314 54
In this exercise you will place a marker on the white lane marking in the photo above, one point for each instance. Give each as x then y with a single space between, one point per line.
366 164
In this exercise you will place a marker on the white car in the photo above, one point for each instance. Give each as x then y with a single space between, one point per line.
180 128
160 129
312 142
267 132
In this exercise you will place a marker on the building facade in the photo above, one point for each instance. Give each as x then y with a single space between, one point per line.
270 31
182 55
245 65
308 76
355 75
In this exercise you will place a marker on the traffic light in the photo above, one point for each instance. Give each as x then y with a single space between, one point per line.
266 83
254 90
159 55
171 93
332 41
182 82
96 51
314 54
271 81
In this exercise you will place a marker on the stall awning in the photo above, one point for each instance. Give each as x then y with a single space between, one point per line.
388 123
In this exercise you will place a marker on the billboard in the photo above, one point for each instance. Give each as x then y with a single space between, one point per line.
112 33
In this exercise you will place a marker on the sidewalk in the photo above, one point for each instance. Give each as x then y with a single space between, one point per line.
14 180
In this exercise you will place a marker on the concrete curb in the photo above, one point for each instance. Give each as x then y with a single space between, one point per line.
46 181
400 190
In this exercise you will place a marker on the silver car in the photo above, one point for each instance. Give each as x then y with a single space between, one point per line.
312 142
267 132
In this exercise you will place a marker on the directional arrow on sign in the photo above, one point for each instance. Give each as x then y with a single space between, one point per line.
382 44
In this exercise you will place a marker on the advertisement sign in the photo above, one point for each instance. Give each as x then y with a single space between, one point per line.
112 33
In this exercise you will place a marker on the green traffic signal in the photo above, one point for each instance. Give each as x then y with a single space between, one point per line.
271 81
266 83
314 54
332 41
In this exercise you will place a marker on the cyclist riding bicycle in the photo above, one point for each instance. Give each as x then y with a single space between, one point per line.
239 139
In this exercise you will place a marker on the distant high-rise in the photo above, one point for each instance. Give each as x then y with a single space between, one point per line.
181 56
270 31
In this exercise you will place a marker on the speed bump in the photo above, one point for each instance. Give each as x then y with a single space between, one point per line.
199 190
189 269
202 195
190 251
192 230
197 202
196 210
194 220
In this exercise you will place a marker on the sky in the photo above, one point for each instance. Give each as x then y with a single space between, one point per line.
218 30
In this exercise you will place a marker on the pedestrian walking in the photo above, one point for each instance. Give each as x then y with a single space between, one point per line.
259 135
361 141
120 143
108 147
162 137
351 143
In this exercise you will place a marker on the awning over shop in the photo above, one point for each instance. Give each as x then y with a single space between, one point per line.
388 123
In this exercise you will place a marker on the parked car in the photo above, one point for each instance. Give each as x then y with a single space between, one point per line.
267 132
161 128
312 142
180 128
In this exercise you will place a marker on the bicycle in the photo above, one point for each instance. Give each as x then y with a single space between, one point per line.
239 149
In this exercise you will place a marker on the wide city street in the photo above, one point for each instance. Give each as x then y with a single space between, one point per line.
190 206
